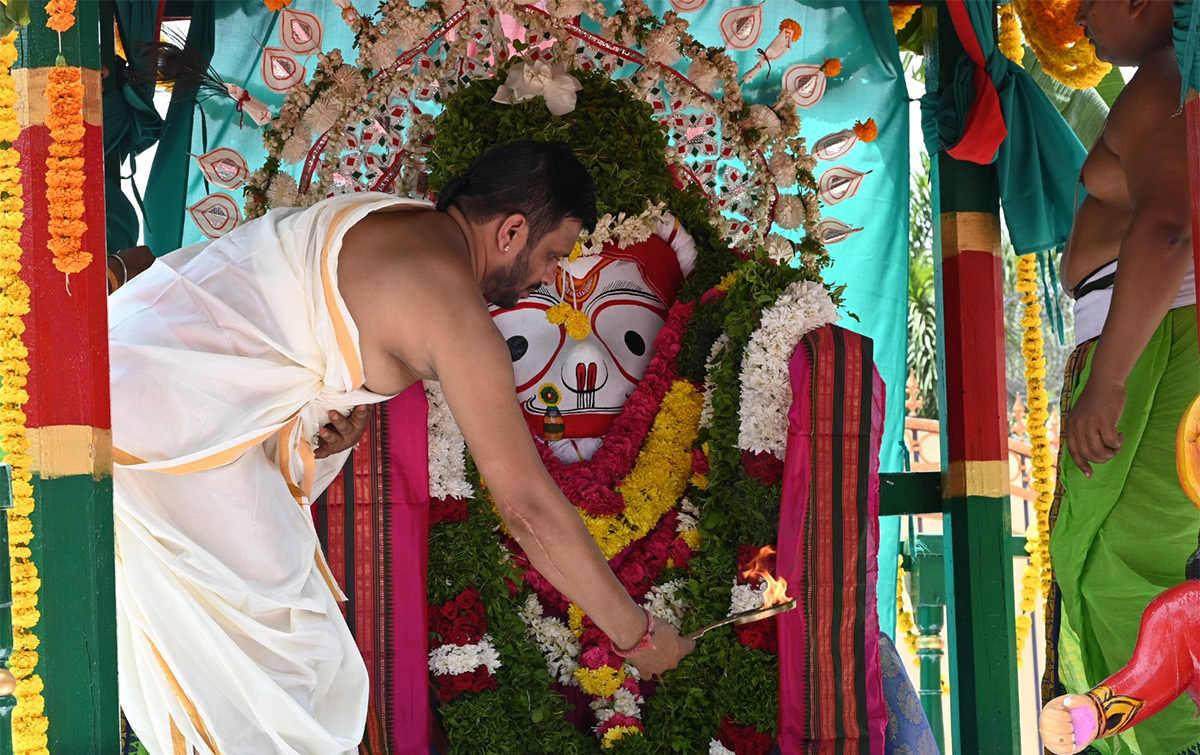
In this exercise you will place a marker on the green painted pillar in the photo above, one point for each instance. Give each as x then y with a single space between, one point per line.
973 408
68 411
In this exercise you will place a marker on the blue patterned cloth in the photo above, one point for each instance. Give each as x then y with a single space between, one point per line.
908 731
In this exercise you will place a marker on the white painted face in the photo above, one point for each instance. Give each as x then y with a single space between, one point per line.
585 382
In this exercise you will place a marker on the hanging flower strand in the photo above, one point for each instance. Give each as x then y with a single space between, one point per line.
64 166
29 722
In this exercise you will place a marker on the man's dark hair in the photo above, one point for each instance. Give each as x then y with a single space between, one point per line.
544 181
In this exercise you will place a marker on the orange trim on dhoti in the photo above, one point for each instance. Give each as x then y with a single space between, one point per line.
340 329
217 458
179 745
184 700
970 232
989 479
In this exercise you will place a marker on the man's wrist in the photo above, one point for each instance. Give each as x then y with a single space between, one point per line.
644 641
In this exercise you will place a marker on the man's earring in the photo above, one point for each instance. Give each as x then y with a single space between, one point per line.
506 247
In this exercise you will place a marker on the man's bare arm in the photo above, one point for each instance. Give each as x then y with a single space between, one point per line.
475 371
1154 258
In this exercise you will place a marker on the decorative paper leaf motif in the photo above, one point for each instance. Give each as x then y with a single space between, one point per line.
805 83
833 231
216 215
224 167
838 183
280 70
300 32
741 27
686 6
833 146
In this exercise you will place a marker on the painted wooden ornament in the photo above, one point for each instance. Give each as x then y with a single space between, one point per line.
741 27
300 33
224 167
805 84
832 146
280 70
216 215
839 183
833 231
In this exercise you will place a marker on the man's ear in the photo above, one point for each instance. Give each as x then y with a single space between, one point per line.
512 233
1137 7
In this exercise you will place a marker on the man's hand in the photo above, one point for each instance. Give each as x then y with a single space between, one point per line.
668 649
342 432
1092 435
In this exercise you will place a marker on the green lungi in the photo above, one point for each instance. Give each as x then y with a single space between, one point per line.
1123 536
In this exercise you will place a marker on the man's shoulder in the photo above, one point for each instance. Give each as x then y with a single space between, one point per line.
1145 110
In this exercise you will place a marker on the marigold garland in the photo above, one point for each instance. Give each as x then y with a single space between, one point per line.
902 14
1011 43
64 168
905 626
1037 571
1065 54
61 15
29 723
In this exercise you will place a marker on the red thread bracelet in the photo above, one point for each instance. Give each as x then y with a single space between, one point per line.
645 643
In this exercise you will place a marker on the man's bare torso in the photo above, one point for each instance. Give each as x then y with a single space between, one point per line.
1101 223
396 269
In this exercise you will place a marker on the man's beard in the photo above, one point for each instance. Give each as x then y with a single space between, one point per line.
505 286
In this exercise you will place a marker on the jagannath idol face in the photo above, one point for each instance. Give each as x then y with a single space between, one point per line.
573 377
585 382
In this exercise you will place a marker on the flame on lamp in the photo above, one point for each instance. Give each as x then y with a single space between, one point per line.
757 569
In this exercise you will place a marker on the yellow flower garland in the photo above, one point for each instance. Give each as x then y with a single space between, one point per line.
905 626
902 14
616 733
600 682
29 723
659 476
1065 54
1010 40
1037 572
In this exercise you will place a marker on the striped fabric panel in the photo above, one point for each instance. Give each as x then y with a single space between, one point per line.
352 524
837 597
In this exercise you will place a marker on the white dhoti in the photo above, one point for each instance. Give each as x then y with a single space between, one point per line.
226 359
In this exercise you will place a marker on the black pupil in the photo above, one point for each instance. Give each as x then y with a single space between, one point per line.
634 341
517 346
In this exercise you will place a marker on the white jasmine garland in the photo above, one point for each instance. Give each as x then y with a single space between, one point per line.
663 602
766 393
447 449
463 659
623 701
715 355
295 149
747 598
812 207
556 641
704 75
623 230
716 748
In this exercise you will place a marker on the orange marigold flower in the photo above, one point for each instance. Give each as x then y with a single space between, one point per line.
832 66
791 27
274 5
61 15
866 132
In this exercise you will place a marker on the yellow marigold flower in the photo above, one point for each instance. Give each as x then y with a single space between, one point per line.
600 682
616 733
832 66
575 616
692 538
578 325
727 281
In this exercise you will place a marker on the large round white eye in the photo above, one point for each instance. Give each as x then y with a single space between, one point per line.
533 341
627 328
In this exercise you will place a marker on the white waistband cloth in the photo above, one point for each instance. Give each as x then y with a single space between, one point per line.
1091 309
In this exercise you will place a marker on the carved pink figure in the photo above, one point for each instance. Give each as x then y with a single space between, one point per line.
571 391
